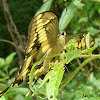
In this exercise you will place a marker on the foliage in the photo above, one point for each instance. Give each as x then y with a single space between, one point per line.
79 17
7 72
4 66
22 13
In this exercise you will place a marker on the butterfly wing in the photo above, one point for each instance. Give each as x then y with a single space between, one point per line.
43 28
79 41
42 35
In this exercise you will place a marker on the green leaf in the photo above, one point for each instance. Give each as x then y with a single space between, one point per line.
90 49
93 31
45 7
2 98
2 62
95 81
3 86
32 73
83 19
91 77
55 78
19 97
70 45
72 55
78 94
12 71
97 41
76 29
19 90
47 76
68 14
10 58
2 73
88 40
3 79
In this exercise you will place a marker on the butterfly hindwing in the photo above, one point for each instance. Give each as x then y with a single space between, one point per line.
79 41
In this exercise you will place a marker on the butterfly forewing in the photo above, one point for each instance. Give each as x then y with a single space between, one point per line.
42 33
43 28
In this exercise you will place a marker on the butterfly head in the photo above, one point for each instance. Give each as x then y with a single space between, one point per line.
63 33
61 37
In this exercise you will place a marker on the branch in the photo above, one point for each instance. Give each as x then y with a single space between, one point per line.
7 41
13 32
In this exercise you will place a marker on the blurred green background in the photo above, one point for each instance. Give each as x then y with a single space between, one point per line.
86 19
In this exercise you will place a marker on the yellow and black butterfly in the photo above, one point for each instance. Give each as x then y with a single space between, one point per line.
43 41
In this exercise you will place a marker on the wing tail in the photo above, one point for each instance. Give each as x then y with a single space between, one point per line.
22 75
5 90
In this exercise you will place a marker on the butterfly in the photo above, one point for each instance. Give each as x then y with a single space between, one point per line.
43 41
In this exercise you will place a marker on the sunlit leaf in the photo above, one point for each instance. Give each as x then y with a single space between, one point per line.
72 55
2 61
93 31
9 59
68 14
45 7
54 82
12 71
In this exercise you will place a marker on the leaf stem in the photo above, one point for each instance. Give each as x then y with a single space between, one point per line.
85 56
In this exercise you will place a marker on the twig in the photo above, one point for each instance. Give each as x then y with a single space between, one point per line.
7 41
2 40
13 32
86 56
